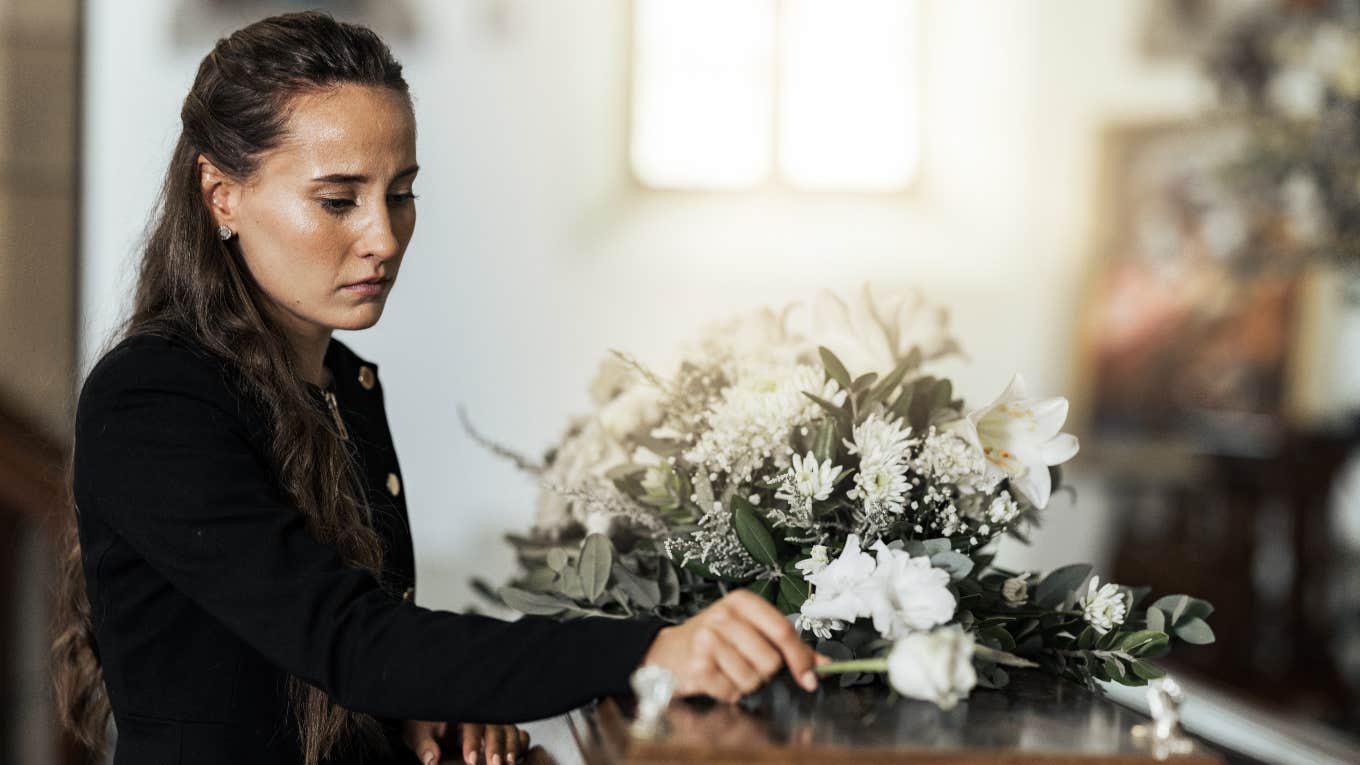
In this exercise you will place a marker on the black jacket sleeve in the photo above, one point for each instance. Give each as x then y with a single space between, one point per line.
164 457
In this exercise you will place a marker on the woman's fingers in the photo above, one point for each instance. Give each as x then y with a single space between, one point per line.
745 678
498 743
516 744
766 618
754 647
472 741
420 737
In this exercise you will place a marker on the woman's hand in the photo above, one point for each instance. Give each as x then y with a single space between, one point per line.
502 744
732 648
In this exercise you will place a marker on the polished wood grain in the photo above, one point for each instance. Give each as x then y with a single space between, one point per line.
1038 720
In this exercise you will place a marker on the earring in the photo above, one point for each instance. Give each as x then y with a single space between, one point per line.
224 231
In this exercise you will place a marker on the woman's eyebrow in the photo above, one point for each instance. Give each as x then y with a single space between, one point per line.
343 178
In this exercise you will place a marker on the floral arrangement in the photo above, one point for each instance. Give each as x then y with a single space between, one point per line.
865 505
1290 72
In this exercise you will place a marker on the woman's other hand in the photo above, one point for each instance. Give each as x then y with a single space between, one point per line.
501 744
732 648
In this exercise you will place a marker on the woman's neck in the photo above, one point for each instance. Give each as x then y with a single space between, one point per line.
309 344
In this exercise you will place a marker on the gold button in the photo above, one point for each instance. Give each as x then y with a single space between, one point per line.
366 377
410 594
393 484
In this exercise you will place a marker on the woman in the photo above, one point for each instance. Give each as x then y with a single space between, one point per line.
238 582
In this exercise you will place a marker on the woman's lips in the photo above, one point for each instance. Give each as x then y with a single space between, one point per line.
368 288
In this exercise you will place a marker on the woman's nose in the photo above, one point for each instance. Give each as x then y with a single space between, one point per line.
380 238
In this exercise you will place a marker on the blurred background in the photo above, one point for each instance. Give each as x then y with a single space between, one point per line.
1151 207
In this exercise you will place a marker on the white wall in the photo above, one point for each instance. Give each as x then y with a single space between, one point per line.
534 252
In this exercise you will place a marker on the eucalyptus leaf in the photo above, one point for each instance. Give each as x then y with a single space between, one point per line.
1059 583
1195 631
533 603
557 559
956 563
594 565
570 584
669 583
1156 619
644 593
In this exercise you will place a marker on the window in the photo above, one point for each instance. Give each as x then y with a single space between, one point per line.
812 94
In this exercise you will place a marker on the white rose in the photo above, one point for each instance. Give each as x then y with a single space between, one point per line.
912 594
844 588
933 666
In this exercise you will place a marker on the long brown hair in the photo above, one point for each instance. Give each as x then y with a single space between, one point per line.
192 284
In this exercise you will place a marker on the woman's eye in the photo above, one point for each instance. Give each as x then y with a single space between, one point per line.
402 197
336 205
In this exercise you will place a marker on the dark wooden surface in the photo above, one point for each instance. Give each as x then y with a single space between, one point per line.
1038 719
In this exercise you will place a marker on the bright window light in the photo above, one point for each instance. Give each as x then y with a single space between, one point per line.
702 93
847 118
820 93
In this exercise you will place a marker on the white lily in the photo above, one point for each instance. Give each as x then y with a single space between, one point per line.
1020 438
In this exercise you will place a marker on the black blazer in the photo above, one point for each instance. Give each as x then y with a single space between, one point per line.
206 587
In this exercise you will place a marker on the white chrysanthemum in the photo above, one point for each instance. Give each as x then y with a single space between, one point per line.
1104 608
808 480
882 487
883 446
881 440
752 421
822 628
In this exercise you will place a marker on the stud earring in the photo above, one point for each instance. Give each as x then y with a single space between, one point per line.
224 232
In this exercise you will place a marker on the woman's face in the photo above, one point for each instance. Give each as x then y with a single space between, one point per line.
331 206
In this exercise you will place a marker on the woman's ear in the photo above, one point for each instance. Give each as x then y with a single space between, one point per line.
220 193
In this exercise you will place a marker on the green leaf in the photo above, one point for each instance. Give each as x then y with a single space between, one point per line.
956 563
1114 669
824 445
996 637
764 588
593 566
835 370
557 559
1146 670
669 584
863 381
570 584
1156 619
1138 642
890 383
702 569
533 603
752 532
1195 631
644 593
794 589
901 407
1055 587
1086 639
